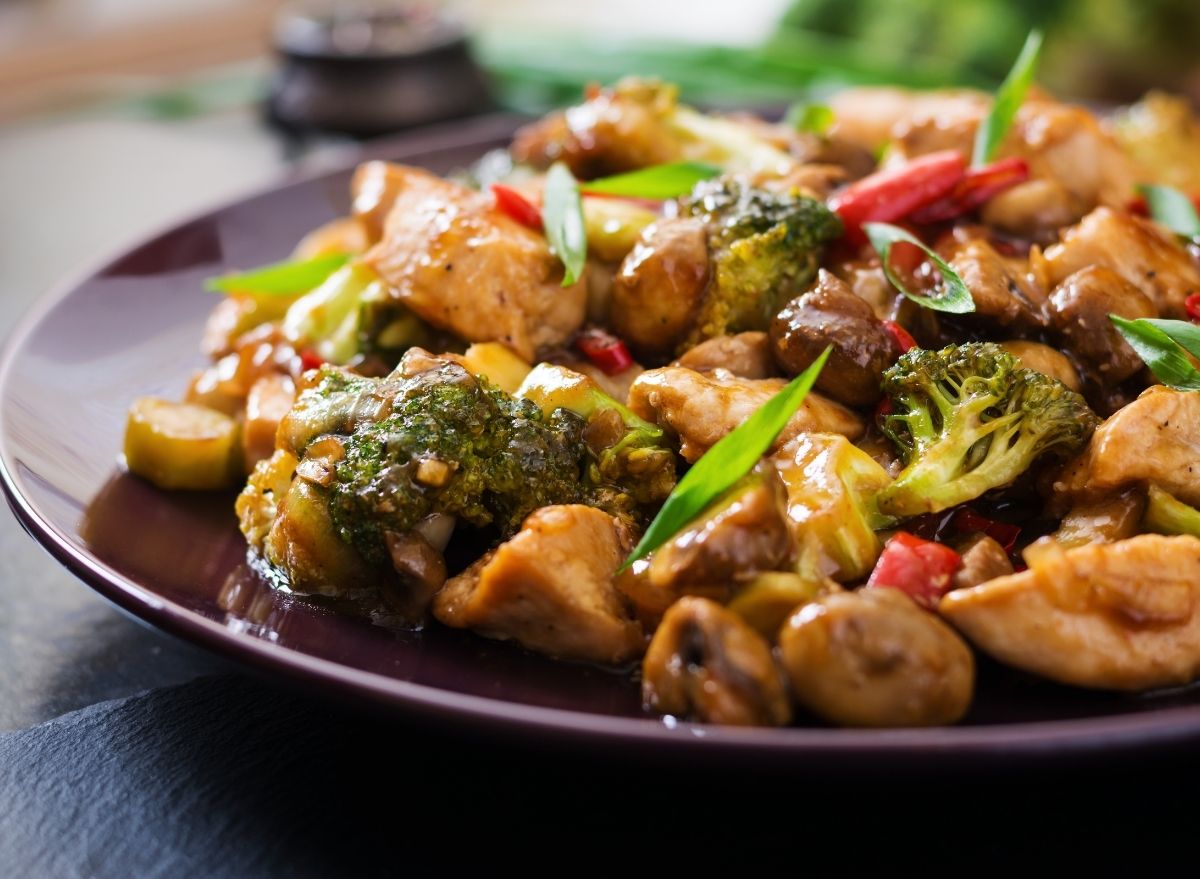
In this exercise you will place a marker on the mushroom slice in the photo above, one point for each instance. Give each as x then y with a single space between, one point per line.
705 663
873 658
1122 616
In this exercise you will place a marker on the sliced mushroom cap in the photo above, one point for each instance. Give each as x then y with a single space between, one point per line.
873 658
705 663
831 314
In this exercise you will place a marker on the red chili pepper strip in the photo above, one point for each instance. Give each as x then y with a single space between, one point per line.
977 187
1137 205
968 521
605 350
904 341
1192 304
921 569
310 360
517 206
887 196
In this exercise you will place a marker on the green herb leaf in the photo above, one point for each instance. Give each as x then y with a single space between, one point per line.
728 461
286 278
1161 345
1009 98
1173 209
562 214
809 118
656 182
956 299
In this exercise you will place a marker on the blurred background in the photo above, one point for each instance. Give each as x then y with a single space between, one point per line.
116 115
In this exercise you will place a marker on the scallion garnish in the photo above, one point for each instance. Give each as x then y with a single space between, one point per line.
1161 345
728 461
1009 98
562 215
956 298
287 278
656 182
809 118
1172 208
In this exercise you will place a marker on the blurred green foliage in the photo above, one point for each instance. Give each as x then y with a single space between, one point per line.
1095 49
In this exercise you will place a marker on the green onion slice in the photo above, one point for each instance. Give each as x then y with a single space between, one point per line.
1161 345
1009 98
286 278
562 215
728 461
1173 209
656 182
956 297
809 118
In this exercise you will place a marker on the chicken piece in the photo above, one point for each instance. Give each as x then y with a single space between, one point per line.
373 192
830 314
1122 616
1044 359
701 409
615 130
874 116
1136 249
550 588
656 294
983 559
704 663
873 658
737 537
1156 438
1162 134
463 266
1066 146
1002 296
1078 310
746 355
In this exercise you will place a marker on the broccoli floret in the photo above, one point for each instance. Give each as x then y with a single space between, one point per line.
350 314
968 419
627 454
448 442
765 248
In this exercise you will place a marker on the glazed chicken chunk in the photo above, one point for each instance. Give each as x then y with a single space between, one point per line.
550 588
701 408
463 266
1120 615
1155 439
1140 252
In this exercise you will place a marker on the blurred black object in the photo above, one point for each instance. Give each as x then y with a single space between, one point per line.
369 68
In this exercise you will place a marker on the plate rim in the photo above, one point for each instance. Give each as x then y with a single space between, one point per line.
1023 740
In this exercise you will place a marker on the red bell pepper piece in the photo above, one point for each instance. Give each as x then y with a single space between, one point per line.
605 350
968 521
1192 304
904 341
887 196
921 569
517 206
310 360
977 187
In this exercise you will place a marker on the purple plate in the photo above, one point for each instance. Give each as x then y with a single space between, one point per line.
177 560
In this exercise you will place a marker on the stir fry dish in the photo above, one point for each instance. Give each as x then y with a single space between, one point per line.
788 420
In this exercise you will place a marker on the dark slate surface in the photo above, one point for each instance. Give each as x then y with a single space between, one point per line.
232 776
